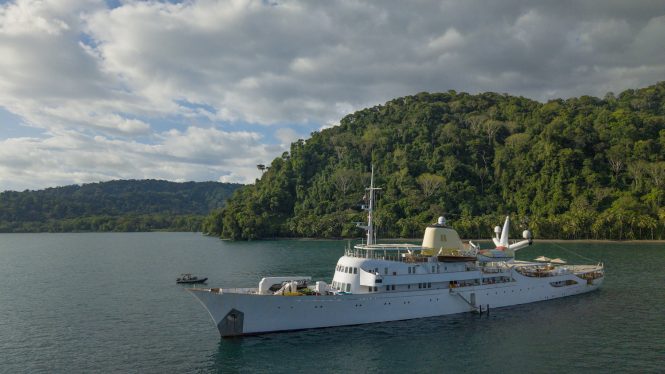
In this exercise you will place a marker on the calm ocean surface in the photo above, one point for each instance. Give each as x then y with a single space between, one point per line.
109 303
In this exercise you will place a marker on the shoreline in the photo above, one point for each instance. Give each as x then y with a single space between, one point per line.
599 241
386 240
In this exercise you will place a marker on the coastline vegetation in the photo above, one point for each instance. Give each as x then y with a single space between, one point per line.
579 168
122 205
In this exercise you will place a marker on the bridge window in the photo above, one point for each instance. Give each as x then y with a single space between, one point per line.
355 270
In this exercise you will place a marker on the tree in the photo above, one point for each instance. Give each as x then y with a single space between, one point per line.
429 183
343 179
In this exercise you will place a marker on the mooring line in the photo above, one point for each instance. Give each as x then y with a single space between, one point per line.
577 254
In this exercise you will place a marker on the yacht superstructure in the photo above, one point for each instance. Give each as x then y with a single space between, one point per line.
387 282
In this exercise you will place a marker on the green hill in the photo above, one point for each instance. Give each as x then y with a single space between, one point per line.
578 168
121 205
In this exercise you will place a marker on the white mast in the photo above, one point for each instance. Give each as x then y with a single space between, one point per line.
370 210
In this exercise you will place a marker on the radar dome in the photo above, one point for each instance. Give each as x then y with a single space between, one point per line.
526 234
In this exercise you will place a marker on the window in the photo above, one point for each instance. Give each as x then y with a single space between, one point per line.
432 268
393 287
385 271
348 287
409 269
387 288
429 285
355 270
420 285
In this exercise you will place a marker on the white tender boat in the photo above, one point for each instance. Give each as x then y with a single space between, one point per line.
389 282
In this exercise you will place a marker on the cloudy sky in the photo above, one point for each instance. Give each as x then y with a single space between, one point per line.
205 90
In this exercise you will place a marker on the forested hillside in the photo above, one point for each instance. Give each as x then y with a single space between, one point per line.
578 168
122 205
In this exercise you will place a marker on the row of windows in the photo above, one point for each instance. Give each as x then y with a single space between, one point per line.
410 270
408 286
478 282
341 286
347 269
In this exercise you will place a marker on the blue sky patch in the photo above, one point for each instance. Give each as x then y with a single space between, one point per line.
12 126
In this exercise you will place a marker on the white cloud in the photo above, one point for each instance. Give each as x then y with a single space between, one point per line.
99 80
70 157
287 136
450 39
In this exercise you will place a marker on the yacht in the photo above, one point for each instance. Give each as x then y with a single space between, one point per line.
375 282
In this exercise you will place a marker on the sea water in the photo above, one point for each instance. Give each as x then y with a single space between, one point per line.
108 302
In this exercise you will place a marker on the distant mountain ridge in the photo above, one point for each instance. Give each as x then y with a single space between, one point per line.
119 205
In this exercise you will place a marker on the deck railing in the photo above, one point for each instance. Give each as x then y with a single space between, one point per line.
247 290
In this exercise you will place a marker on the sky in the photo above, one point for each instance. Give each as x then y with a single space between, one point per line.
206 90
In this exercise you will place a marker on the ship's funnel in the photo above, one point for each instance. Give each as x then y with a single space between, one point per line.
439 238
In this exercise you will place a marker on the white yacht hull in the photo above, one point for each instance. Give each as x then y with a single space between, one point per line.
240 313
